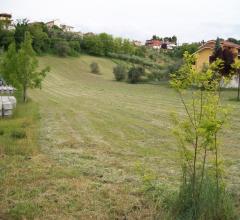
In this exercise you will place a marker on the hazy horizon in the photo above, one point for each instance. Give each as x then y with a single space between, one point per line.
190 21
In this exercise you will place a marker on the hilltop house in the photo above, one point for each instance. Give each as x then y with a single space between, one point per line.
6 20
57 23
158 44
154 44
137 43
205 52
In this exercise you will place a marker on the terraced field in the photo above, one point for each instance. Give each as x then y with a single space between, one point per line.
95 133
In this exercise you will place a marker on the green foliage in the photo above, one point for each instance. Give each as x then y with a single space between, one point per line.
18 134
61 48
41 41
6 38
180 50
95 68
134 59
9 66
20 29
120 72
75 47
159 75
20 68
135 74
197 135
1 132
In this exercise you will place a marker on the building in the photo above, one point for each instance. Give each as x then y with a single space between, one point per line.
5 17
6 20
137 43
158 44
155 44
57 23
206 50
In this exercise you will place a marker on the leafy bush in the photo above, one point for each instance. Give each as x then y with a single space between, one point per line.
1 132
95 68
120 72
61 48
135 73
18 134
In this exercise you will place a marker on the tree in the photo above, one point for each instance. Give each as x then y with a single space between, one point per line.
236 70
120 72
164 46
9 66
26 67
20 28
135 74
225 55
41 42
174 39
6 38
197 135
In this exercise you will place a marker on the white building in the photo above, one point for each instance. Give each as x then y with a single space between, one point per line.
57 23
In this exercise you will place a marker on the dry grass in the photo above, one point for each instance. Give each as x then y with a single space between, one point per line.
94 132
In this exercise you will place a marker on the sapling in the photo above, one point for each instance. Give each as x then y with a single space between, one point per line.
197 135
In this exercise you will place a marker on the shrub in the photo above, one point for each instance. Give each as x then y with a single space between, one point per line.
135 73
120 72
62 48
18 134
95 68
1 132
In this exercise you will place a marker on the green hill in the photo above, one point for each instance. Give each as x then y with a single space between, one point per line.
95 133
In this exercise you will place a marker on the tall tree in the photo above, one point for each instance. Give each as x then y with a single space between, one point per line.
27 65
226 55
8 66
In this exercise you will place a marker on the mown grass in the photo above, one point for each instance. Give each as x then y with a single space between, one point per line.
95 133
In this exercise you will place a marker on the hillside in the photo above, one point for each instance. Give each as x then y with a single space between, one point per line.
95 133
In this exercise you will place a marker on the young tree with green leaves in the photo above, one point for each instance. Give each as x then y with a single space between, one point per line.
21 68
202 193
27 64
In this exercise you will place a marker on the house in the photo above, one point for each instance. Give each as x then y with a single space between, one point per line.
206 50
155 44
53 23
6 20
158 44
137 43
64 27
5 17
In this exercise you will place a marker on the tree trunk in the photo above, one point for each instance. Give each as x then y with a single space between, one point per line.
24 94
238 97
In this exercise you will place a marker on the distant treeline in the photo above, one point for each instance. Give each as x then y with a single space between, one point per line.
55 40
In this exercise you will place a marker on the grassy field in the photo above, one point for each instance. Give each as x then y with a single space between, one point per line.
94 135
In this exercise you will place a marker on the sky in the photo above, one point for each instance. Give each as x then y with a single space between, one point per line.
189 20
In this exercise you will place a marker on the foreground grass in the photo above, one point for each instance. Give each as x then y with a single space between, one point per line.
95 133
